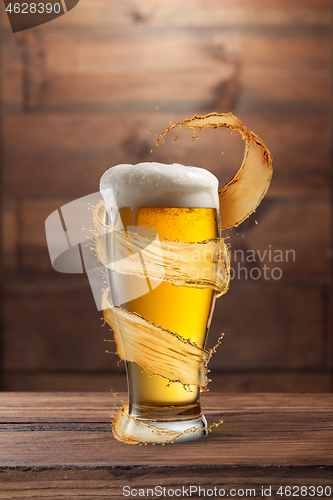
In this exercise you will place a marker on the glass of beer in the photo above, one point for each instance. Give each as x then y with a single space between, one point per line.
181 204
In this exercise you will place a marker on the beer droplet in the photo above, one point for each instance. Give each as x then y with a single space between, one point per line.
151 150
157 107
255 222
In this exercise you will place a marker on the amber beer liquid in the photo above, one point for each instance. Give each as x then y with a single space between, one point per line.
184 310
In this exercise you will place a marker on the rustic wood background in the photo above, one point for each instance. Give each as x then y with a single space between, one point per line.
79 95
61 446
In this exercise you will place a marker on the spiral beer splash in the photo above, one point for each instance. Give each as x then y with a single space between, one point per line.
139 341
158 350
239 197
164 261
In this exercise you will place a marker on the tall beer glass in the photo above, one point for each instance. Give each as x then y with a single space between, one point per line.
180 203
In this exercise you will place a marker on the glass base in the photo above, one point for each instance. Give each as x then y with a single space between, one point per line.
199 426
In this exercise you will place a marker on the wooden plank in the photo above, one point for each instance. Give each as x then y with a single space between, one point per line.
12 69
23 229
21 407
33 259
281 327
38 149
131 13
296 238
252 250
93 54
53 407
40 72
33 213
32 282
280 238
250 381
260 89
275 239
61 330
98 381
270 326
104 482
235 381
9 233
194 70
37 339
261 430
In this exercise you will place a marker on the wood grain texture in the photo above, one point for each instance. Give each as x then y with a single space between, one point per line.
233 55
40 148
37 337
293 235
277 326
192 13
258 335
179 70
80 94
226 381
43 430
108 482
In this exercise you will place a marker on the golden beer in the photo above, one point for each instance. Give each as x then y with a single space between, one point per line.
184 310
161 204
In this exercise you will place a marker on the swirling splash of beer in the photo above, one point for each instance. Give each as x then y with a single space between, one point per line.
155 349
163 260
239 197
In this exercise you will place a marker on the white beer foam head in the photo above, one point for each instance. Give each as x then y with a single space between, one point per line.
158 185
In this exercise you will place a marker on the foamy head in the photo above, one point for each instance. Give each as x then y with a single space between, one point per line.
158 185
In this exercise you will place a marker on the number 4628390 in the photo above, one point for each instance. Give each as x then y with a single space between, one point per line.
33 8
304 491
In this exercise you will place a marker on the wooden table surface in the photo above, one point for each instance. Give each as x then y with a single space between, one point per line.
52 443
